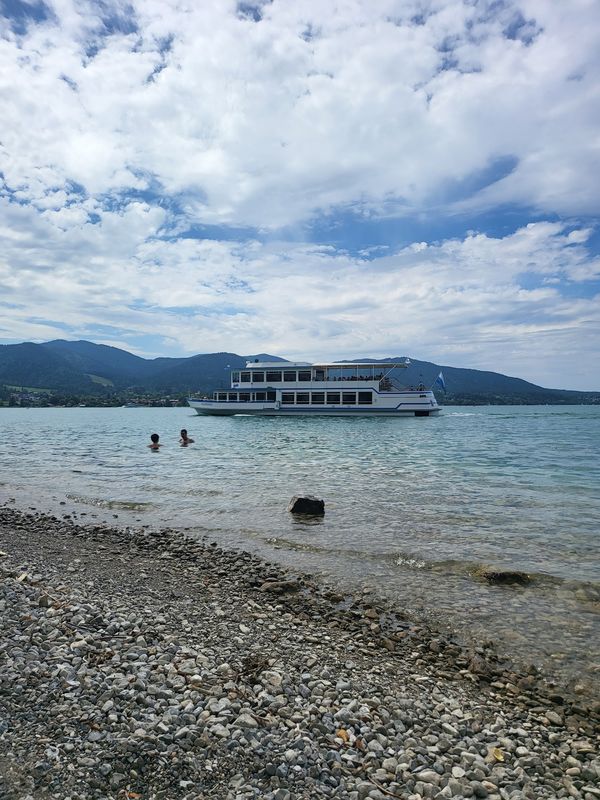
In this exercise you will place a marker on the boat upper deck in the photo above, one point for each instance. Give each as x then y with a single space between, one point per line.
324 364
322 375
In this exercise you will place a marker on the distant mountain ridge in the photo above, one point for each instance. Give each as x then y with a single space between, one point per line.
483 383
88 369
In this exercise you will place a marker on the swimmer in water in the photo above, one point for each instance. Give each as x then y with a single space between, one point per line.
185 439
154 445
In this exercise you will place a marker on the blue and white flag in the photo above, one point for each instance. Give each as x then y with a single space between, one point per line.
440 381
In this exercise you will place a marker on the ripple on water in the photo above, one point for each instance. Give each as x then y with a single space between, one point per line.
115 505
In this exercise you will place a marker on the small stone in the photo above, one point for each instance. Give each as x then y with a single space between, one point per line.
449 729
273 679
428 776
246 720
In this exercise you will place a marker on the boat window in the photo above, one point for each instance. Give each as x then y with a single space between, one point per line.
333 398
334 373
235 377
304 375
302 397
232 397
422 395
365 398
222 396
349 397
289 375
317 398
271 397
261 396
258 377
245 377
244 397
274 376
319 374
287 397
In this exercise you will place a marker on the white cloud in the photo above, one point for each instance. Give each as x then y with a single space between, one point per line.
461 301
382 107
264 123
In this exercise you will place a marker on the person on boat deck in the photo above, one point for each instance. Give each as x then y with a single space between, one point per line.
185 439
154 445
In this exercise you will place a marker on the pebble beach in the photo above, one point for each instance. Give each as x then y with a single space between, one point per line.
146 666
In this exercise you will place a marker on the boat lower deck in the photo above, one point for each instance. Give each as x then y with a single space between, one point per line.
227 409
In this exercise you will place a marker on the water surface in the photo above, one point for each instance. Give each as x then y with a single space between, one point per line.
413 506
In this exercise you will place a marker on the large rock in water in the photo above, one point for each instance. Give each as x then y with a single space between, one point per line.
307 505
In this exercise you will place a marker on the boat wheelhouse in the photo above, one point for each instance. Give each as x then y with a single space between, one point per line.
285 388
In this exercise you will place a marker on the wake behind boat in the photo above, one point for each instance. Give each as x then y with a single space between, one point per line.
283 388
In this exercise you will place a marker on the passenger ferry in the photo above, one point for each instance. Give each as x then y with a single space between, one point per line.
285 388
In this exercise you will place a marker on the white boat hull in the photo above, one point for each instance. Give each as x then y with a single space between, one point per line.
403 408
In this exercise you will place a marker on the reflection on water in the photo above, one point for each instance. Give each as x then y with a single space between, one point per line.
413 506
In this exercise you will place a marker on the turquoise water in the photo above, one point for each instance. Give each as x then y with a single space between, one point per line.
413 506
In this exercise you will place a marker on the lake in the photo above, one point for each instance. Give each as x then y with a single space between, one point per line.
413 505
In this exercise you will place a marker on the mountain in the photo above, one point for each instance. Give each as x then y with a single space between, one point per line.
87 369
480 386
117 366
210 371
31 365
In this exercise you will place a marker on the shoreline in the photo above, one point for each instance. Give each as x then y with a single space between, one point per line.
531 656
174 655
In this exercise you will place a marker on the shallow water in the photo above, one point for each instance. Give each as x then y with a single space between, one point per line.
413 506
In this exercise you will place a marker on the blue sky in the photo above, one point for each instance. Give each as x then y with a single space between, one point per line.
370 178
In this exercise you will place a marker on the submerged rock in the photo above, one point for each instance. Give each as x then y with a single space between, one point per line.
307 505
503 576
279 587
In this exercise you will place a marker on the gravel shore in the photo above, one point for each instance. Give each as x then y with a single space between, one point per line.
145 666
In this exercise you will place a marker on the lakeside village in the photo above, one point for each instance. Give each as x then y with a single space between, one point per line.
15 396
28 397
24 397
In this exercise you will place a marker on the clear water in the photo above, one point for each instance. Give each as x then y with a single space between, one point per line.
413 506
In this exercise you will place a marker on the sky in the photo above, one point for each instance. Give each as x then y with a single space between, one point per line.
314 180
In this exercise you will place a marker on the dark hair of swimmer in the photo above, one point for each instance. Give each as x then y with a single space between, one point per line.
183 433
155 437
